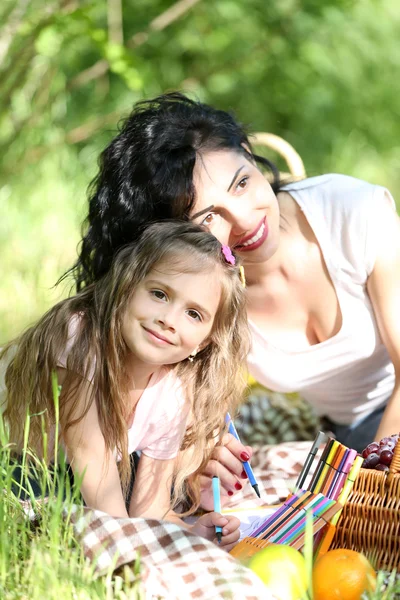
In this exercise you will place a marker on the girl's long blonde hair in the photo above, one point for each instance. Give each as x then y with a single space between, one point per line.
214 381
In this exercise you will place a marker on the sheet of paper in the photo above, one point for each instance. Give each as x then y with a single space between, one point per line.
250 518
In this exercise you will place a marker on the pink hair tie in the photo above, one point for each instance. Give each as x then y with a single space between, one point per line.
227 252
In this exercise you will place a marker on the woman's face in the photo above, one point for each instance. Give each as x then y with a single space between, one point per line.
237 204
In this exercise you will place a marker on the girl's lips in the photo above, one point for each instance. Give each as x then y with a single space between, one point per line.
263 227
157 336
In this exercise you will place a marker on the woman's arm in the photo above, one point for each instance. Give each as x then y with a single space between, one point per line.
89 458
384 291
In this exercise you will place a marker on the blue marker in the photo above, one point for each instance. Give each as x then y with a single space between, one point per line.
246 465
217 505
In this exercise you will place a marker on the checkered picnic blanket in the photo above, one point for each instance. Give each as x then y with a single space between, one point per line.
176 564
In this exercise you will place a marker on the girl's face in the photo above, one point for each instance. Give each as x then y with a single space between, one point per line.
170 315
237 204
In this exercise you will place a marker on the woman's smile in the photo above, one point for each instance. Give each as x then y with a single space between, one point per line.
254 240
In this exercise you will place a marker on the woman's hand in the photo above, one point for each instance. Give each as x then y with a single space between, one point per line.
226 463
206 524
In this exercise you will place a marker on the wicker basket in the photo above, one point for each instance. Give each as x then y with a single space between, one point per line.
370 520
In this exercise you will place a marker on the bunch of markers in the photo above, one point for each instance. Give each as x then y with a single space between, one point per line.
324 499
288 524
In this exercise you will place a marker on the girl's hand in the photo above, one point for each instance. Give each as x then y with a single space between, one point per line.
227 463
205 526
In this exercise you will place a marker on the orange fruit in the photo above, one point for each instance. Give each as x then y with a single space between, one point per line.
342 575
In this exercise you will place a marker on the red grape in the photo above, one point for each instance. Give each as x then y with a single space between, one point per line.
386 457
372 460
380 467
373 447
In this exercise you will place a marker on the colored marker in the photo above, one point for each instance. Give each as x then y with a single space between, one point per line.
274 518
217 505
319 524
348 486
344 471
338 472
295 522
246 464
321 464
318 509
333 469
290 513
326 467
310 457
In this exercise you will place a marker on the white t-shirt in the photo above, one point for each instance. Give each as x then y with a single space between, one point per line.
349 375
160 417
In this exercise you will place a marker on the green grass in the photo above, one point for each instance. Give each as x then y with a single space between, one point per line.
46 561
40 558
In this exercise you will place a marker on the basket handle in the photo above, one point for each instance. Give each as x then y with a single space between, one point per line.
395 464
282 147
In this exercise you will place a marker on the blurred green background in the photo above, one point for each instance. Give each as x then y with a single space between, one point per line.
323 74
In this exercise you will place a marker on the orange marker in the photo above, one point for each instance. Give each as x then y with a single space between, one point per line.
333 470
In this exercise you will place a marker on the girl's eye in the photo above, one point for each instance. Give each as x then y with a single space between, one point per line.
243 183
193 314
159 294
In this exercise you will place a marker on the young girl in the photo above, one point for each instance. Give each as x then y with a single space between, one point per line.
149 358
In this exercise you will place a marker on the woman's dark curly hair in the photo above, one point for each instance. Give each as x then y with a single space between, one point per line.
146 174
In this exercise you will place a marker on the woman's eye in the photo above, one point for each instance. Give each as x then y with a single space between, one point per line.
243 183
158 294
193 314
208 220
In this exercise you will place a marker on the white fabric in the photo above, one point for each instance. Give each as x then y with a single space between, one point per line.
349 375
160 418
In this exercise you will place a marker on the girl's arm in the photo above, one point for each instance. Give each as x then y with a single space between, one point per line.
151 498
384 291
89 458
151 495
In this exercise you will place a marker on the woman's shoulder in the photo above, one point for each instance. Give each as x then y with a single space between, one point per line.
335 194
334 184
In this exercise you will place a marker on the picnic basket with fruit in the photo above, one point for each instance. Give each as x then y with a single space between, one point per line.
370 520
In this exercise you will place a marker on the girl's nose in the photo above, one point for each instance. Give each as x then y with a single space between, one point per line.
167 320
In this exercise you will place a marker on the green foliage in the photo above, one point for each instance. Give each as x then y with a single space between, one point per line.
323 75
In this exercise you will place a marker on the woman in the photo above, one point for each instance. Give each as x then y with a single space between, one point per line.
321 257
